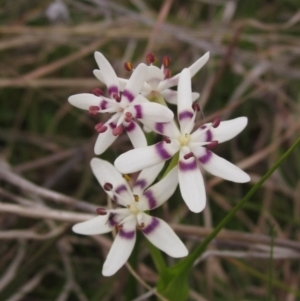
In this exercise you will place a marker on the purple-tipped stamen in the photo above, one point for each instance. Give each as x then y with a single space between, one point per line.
108 186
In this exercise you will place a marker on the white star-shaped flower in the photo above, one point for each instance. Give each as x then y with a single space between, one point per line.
158 82
125 107
126 220
193 147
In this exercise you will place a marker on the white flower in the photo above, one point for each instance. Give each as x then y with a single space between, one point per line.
158 81
125 106
127 220
194 149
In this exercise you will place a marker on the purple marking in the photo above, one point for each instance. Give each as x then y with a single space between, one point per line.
208 135
151 227
128 95
111 219
103 104
142 183
185 114
120 189
113 90
138 110
151 199
183 166
112 125
126 234
205 158
159 127
159 147
130 127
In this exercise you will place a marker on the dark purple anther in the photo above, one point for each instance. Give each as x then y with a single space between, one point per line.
216 122
100 127
212 144
189 155
97 92
101 211
118 130
108 186
93 110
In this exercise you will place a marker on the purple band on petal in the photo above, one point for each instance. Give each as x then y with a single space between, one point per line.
159 127
128 95
113 90
151 227
103 105
120 189
130 127
161 151
138 110
185 114
183 166
126 234
205 158
112 221
151 199
142 183
208 135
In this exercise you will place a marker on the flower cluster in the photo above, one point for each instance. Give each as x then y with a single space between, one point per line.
141 99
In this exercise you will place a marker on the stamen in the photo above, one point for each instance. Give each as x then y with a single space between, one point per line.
167 139
118 130
94 110
128 116
150 58
136 198
100 127
166 61
212 144
216 122
141 226
101 211
108 186
97 92
117 97
189 155
167 73
126 177
196 107
128 66
118 227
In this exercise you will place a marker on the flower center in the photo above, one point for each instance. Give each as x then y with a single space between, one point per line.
184 139
133 208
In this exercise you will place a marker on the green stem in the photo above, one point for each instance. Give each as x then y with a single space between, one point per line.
188 262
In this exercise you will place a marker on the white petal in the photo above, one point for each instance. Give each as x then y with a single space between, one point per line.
122 81
168 129
173 81
140 158
104 140
135 84
106 173
191 182
154 76
146 178
170 96
94 226
152 112
224 169
108 73
199 64
84 100
160 234
135 134
185 111
195 96
121 248
159 193
229 129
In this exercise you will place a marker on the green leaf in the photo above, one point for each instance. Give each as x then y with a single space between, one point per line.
174 280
